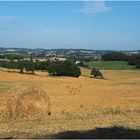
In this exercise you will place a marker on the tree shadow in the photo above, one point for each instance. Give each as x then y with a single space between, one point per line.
98 133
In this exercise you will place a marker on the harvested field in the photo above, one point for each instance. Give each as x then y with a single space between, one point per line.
76 103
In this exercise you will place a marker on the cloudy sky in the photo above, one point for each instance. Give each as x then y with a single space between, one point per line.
82 24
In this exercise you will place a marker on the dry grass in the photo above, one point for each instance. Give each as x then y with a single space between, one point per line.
85 71
76 103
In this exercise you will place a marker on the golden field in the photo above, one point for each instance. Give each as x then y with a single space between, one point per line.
76 103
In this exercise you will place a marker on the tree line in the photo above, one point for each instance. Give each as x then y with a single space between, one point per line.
21 65
133 59
13 56
54 67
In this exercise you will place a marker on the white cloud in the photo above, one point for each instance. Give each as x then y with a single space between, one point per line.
93 7
6 18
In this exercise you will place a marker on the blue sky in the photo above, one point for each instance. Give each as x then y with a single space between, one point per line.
98 25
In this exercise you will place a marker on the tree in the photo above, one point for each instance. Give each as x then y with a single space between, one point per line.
96 73
29 66
13 56
138 65
63 68
20 65
134 59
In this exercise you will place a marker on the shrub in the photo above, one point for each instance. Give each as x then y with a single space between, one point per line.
96 73
113 111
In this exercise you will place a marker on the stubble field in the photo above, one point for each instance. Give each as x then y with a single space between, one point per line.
77 104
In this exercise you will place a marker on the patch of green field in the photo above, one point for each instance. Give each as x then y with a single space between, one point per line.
3 88
112 65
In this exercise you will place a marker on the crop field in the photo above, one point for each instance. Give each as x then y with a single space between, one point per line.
112 65
81 105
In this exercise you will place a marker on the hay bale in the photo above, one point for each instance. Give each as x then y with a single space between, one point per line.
30 102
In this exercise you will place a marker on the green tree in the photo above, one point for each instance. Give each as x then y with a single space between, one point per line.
20 66
96 73
138 65
134 59
115 56
63 68
29 66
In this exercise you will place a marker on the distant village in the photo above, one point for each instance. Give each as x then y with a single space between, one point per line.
77 54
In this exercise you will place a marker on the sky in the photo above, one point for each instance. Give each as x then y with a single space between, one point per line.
100 25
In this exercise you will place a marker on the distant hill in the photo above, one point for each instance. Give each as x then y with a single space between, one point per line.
77 54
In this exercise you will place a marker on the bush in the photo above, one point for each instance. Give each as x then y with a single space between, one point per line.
63 68
96 73
113 111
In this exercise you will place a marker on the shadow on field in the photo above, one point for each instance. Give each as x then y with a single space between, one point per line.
98 133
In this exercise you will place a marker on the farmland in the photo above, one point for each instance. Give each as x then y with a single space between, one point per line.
77 104
69 69
112 65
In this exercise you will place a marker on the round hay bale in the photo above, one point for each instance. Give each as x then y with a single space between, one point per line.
30 102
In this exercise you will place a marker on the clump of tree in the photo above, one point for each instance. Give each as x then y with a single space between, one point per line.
138 65
13 56
20 65
63 68
134 59
54 67
115 56
28 65
96 73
